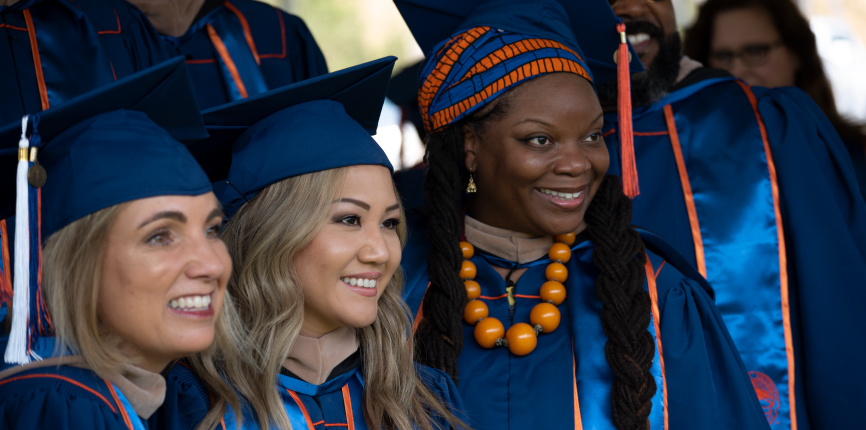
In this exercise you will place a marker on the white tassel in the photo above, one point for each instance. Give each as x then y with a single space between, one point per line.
16 348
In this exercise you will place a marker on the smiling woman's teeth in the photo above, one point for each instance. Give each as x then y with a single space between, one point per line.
360 282
639 38
557 194
191 303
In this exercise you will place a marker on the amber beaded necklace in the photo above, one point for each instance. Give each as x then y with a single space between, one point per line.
521 338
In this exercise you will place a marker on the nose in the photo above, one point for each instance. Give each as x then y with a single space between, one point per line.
209 260
375 249
573 161
630 9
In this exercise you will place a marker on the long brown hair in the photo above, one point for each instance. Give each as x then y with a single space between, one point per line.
796 36
264 237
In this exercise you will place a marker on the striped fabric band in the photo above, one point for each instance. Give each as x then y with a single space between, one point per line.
474 67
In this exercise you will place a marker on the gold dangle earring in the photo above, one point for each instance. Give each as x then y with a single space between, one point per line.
471 188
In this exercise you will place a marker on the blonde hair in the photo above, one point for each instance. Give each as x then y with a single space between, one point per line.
72 263
264 237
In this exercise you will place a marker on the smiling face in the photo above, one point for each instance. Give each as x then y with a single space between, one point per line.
346 267
538 165
163 276
751 32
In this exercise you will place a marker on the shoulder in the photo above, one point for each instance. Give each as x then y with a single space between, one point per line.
439 383
59 397
110 15
669 267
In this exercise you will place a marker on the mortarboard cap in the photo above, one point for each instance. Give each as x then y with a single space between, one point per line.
593 25
98 150
317 124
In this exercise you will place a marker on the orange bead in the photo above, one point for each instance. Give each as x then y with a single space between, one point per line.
559 251
545 315
488 331
467 270
521 339
468 250
567 238
474 311
554 272
553 291
473 290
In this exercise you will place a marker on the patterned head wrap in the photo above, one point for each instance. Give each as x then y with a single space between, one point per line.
475 66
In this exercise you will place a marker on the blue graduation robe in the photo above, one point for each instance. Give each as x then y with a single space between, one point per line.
313 407
567 378
246 47
791 300
64 398
857 151
81 45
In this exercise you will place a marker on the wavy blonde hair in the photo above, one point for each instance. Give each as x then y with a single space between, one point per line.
263 238
72 263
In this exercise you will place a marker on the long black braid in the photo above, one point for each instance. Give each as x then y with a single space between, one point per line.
618 254
625 312
439 338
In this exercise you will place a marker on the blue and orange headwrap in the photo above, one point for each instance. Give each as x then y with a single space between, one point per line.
480 62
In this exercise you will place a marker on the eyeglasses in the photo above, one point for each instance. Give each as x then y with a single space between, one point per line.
751 55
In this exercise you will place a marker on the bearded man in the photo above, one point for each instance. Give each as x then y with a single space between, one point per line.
753 184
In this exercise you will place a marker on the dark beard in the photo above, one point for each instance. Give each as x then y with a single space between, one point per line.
656 81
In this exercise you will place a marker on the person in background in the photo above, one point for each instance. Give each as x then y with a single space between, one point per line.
134 272
526 277
768 43
235 48
315 231
754 187
55 50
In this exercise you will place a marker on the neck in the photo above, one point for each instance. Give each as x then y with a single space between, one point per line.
8 2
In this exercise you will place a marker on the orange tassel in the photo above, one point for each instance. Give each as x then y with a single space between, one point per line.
629 165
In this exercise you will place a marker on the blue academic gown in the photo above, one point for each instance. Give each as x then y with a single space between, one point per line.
800 305
272 50
81 45
64 398
857 151
707 385
308 406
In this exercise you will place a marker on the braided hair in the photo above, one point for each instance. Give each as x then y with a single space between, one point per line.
619 256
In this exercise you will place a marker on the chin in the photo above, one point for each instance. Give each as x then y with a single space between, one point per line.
194 342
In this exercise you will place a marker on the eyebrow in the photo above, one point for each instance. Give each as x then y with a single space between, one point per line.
534 120
358 203
216 213
177 216
363 205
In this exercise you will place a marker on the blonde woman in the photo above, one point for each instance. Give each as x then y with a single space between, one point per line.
316 235
134 271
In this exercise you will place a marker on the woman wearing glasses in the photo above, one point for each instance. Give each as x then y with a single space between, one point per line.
768 43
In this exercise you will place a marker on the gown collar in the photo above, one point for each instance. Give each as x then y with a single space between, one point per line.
313 359
506 244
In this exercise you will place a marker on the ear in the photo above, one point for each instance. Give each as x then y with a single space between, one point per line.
470 146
